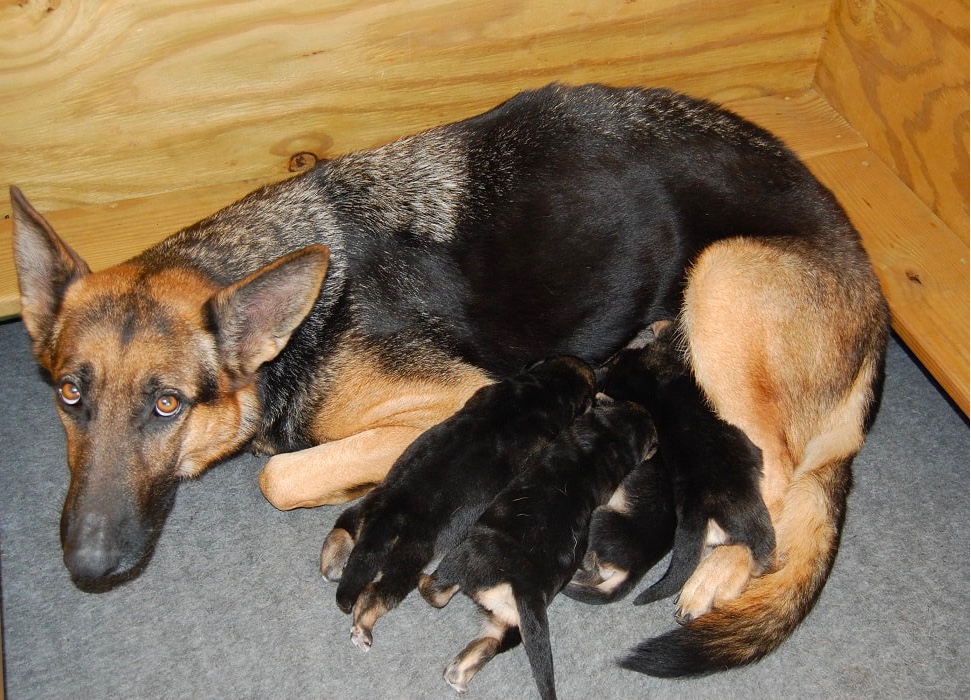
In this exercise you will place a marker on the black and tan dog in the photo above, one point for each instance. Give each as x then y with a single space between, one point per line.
441 484
528 543
561 222
716 469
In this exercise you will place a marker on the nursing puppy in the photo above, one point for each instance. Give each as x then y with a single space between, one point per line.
442 483
628 535
716 469
527 544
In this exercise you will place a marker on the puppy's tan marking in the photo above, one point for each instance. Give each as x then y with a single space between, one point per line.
335 553
474 656
368 608
437 597
600 575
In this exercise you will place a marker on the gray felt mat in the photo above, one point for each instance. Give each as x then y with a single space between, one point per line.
232 606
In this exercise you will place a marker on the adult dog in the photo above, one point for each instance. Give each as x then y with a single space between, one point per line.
561 222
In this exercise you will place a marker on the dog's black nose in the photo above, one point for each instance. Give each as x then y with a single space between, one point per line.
91 550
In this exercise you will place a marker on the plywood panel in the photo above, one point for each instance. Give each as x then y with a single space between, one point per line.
922 264
898 71
105 101
108 233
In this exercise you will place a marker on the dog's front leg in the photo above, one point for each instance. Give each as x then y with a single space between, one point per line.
334 472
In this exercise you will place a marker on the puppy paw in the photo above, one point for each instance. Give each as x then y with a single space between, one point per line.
335 553
371 605
596 581
361 638
456 677
719 579
471 660
433 592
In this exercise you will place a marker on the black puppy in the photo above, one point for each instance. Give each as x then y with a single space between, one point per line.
528 543
441 484
629 534
716 472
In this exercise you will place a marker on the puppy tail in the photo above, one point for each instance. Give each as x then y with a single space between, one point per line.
534 629
746 629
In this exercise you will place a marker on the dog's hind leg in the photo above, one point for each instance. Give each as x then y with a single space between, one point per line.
399 576
500 633
494 639
436 592
787 343
689 544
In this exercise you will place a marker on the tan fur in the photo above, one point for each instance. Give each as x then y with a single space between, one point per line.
598 574
779 346
436 597
117 362
368 416
474 656
334 554
500 603
720 578
368 609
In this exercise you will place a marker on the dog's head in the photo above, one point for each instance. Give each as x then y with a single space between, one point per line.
154 375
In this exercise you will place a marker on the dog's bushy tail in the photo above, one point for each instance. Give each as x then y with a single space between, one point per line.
767 612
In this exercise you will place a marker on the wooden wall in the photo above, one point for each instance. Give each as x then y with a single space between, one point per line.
105 101
897 70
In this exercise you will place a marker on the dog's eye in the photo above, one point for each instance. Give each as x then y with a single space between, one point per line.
167 405
69 393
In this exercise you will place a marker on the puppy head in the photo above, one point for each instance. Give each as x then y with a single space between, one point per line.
638 371
568 377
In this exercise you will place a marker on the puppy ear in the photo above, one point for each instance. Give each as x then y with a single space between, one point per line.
46 266
254 318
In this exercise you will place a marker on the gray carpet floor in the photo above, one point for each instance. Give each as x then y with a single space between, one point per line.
232 606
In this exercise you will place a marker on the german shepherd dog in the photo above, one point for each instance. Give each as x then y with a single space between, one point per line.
528 543
441 484
716 469
332 318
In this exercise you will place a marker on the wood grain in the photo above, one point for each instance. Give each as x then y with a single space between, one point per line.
105 234
922 264
107 101
898 71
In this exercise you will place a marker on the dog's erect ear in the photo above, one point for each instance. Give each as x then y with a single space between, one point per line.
46 265
254 317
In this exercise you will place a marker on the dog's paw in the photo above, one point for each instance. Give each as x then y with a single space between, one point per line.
456 677
361 638
719 579
436 595
596 581
470 661
371 605
335 553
